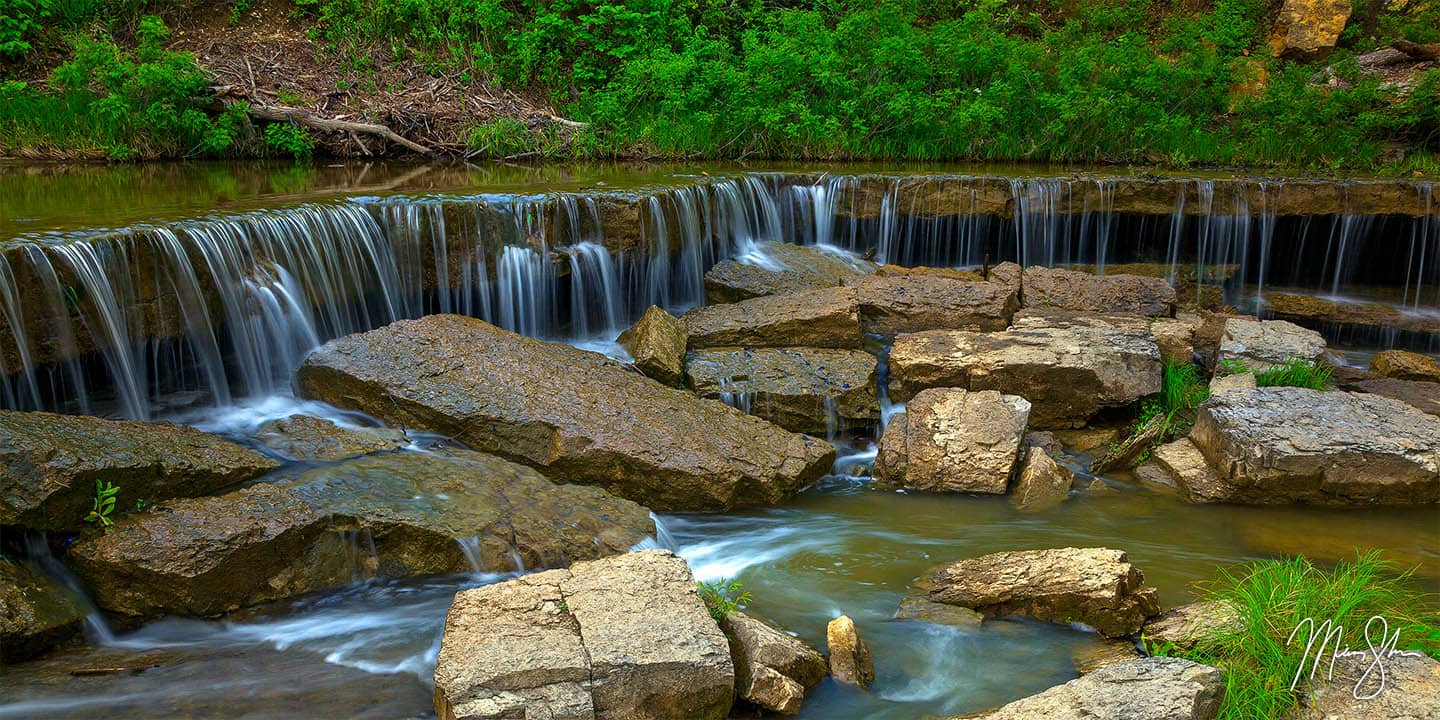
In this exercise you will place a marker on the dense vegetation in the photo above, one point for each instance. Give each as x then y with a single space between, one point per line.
1144 81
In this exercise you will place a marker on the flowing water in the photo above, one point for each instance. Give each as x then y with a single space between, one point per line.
191 294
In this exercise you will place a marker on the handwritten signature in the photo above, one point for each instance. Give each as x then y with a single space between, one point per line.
1328 634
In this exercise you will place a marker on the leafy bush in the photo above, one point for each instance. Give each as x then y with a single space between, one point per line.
20 20
722 596
287 139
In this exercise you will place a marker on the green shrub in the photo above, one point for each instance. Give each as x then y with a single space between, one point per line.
286 139
722 596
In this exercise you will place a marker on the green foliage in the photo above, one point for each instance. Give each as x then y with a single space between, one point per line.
104 505
20 20
723 597
286 139
1273 597
1292 373
1182 389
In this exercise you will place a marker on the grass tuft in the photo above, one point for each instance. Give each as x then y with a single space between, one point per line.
1297 373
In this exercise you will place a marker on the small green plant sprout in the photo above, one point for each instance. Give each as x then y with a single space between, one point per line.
722 596
105 495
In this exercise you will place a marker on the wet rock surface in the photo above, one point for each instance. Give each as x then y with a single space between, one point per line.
624 638
49 465
1073 290
1188 624
1042 483
1294 445
850 661
1262 344
792 387
657 343
393 515
36 612
1316 311
952 440
828 318
306 437
576 415
1094 586
772 668
773 268
1161 688
1405 365
929 301
1102 652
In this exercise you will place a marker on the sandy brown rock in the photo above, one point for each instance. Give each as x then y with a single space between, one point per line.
49 465
952 440
850 661
657 344
827 318
1188 470
1261 344
1405 365
925 301
1176 338
1042 483
1309 29
1186 625
791 387
1162 688
1100 652
306 437
624 638
1094 586
1294 445
393 515
1071 290
1411 690
574 414
1230 383
1423 396
923 609
1316 311
36 612
772 668
774 268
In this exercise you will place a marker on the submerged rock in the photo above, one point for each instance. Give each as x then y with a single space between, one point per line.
772 669
36 612
926 301
1294 445
306 437
1042 484
1161 688
1101 652
773 268
574 414
657 343
850 661
923 609
624 638
49 465
828 318
1318 311
394 515
952 440
1094 586
1405 365
1072 290
1262 344
794 388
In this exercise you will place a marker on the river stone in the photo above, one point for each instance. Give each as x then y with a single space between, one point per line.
1094 586
36 613
790 387
1423 396
1294 445
921 301
923 609
1184 626
773 268
850 661
1072 290
657 344
1042 484
1405 365
1364 317
952 440
1100 652
49 465
1410 691
1175 338
1068 369
1262 344
574 414
1309 29
1157 688
623 638
393 515
1186 469
772 668
306 437
827 318
1230 383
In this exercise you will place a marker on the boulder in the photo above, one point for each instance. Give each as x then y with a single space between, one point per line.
1405 365
774 268
922 301
1009 274
1161 688
1309 29
1094 586
1262 344
1408 689
1187 470
850 661
1184 626
1043 483
1364 317
952 440
1085 440
1072 290
657 344
945 272
923 609
1230 383
1175 338
574 414
310 438
49 465
1423 396
1100 652
772 668
795 388
623 638
1294 445
36 612
393 515
828 318
1068 370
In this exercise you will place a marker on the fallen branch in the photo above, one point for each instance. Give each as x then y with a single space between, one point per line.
301 116
83 672
1429 51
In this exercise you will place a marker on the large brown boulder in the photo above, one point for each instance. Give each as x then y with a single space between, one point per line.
36 613
795 388
772 669
1094 586
49 465
657 344
953 440
1262 344
850 661
1042 482
624 638
576 415
1406 365
827 318
925 301
1309 29
1159 688
773 268
1293 445
1423 396
1068 369
394 515
306 437
1073 290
